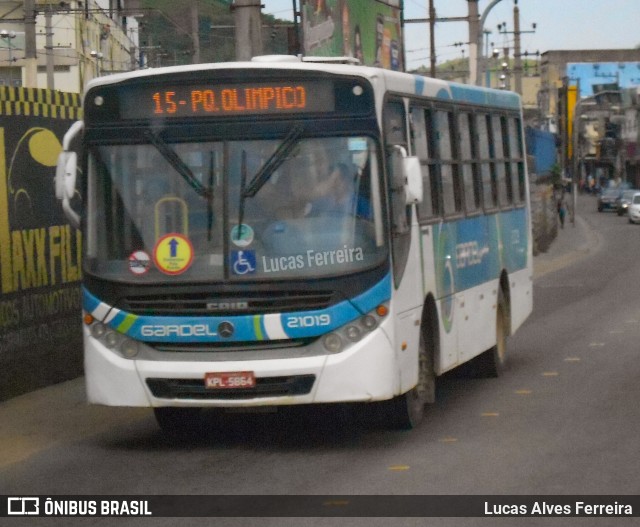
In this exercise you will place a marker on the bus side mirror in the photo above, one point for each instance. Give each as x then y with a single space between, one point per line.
407 175
66 173
413 180
66 170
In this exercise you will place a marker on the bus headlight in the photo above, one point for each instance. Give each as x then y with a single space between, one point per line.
113 340
368 322
332 343
129 348
98 330
353 333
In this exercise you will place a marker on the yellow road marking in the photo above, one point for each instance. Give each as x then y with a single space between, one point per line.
399 468
524 392
55 416
448 439
490 414
572 359
550 374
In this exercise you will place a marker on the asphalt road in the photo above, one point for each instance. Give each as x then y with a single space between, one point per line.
564 419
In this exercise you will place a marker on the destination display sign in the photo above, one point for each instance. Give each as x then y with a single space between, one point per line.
203 100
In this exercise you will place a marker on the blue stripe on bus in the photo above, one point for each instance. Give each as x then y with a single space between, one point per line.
299 324
472 251
471 94
504 99
89 302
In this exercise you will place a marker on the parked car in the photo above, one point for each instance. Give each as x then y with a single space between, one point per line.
622 203
634 209
607 199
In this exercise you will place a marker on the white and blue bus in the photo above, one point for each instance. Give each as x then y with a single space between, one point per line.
283 232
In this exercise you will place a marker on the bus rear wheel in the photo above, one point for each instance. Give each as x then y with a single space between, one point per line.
492 362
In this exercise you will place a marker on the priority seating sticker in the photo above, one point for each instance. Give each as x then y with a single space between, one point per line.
173 254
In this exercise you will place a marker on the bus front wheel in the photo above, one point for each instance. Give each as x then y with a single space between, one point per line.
179 422
406 411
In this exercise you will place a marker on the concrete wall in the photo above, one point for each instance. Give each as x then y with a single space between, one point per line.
40 254
544 217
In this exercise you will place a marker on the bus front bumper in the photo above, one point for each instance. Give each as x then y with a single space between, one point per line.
365 371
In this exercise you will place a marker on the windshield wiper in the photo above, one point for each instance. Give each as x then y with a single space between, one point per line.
243 183
176 162
273 163
210 196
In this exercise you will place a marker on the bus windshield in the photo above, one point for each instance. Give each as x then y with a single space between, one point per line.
163 212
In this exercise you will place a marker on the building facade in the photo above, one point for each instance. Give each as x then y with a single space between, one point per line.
554 71
74 42
630 135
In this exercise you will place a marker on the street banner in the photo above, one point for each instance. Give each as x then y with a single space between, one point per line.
368 30
40 253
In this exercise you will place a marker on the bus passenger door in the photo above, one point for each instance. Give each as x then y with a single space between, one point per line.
405 245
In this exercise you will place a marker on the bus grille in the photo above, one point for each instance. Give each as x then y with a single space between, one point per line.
216 347
253 302
265 387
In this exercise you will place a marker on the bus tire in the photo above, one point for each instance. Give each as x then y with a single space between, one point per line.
179 422
406 411
492 362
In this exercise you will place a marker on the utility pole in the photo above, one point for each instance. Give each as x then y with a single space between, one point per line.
295 41
195 31
31 58
247 17
432 37
475 42
479 61
432 22
48 28
517 56
517 53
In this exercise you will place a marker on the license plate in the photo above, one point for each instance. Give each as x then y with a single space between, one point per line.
230 380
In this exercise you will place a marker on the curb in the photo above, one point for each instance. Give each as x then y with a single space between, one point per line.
591 243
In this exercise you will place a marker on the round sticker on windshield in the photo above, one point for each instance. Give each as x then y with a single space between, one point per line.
139 262
173 254
242 235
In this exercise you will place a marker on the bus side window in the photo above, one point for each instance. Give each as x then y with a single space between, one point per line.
467 167
497 142
449 181
394 124
510 177
422 147
489 189
517 161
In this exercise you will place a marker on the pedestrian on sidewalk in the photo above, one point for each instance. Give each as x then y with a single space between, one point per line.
562 210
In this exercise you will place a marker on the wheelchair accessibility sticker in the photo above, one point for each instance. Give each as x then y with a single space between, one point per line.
243 262
173 254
